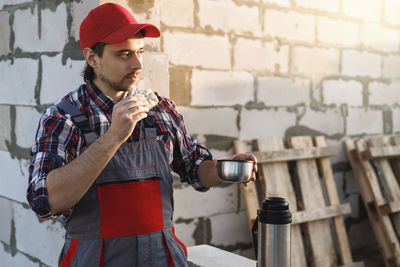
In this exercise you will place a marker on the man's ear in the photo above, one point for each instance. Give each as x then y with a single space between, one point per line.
90 57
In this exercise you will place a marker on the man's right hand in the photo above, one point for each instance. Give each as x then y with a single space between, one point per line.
125 116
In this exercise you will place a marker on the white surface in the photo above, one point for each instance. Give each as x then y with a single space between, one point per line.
208 256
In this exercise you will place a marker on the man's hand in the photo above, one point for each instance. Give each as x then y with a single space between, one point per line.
126 115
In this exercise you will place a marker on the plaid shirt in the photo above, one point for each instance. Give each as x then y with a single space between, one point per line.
58 141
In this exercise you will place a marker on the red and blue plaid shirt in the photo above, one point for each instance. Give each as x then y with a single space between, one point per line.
58 141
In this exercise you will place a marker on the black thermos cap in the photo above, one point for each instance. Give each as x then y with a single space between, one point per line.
274 210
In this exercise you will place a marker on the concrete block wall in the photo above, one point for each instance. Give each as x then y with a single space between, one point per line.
236 69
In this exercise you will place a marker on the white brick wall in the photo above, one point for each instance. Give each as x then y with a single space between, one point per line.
396 120
391 14
329 6
330 121
15 89
227 16
53 29
355 63
381 93
265 123
364 121
224 225
366 10
26 124
197 49
53 72
155 74
342 92
335 31
5 132
221 88
178 13
18 260
276 91
283 3
5 222
196 119
290 25
79 11
391 66
380 38
260 56
4 33
304 61
14 177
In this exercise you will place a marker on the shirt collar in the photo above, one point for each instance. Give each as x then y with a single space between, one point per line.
102 100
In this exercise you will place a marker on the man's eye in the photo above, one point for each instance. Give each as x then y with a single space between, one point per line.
125 54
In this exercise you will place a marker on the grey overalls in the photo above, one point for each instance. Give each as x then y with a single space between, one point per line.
125 218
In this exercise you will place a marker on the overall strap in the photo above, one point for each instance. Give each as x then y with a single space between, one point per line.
80 119
147 127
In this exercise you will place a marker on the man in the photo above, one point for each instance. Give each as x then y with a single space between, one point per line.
103 160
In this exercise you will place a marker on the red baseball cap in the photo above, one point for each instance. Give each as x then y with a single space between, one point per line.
111 23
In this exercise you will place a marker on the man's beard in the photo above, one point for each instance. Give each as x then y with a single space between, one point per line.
114 85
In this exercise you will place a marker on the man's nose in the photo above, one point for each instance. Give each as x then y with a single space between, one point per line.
137 62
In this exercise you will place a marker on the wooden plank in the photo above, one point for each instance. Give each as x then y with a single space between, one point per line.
318 232
295 154
354 150
381 152
277 182
354 264
320 213
249 192
387 177
333 198
391 207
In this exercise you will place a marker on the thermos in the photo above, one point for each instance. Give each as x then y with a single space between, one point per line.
271 233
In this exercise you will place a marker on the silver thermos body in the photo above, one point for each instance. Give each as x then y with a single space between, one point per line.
273 237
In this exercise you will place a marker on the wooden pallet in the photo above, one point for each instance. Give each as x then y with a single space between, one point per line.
376 167
311 235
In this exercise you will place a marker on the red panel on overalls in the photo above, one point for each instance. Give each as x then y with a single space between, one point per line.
130 208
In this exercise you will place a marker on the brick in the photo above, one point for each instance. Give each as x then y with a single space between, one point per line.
79 11
6 209
329 6
396 120
290 25
190 49
391 66
5 132
18 260
364 121
342 92
227 16
5 31
45 238
18 81
26 125
326 61
178 13
265 123
329 122
221 88
54 33
380 38
253 55
52 90
223 225
339 32
184 231
355 63
14 176
283 3
276 91
155 73
198 120
382 93
391 14
216 200
365 10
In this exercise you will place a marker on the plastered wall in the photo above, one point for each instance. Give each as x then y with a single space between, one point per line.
236 69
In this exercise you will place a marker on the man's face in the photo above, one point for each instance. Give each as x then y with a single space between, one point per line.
120 65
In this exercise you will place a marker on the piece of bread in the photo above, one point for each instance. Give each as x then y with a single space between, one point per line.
148 94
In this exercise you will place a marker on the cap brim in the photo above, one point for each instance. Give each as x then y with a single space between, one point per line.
129 31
